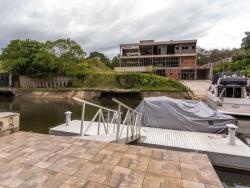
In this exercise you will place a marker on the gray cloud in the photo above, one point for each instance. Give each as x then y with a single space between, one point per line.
103 25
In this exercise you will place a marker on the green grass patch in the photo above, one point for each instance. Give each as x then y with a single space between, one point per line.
136 81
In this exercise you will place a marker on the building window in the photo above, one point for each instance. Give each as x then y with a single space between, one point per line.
177 48
193 47
187 74
185 47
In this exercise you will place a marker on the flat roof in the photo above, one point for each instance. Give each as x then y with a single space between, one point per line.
151 42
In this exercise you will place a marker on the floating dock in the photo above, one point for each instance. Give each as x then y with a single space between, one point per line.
216 146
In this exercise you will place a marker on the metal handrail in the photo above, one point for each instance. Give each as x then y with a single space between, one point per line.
132 120
124 105
93 104
99 114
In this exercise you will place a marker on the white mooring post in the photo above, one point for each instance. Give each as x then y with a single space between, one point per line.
68 117
231 133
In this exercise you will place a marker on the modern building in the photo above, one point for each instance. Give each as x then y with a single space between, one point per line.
173 59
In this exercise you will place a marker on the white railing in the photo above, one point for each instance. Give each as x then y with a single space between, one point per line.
130 126
124 128
100 114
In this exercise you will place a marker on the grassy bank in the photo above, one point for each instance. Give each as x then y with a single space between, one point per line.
137 81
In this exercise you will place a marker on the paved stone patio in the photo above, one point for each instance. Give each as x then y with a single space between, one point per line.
29 160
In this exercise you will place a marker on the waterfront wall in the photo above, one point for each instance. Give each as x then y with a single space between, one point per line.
90 94
50 82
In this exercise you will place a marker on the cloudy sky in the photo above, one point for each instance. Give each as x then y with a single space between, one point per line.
101 25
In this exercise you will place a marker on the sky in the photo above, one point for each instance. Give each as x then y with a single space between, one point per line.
101 25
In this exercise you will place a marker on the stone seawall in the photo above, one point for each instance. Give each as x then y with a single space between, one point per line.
58 93
90 94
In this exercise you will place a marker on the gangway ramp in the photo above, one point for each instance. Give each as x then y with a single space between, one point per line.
106 125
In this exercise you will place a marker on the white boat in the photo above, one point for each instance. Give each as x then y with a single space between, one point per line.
228 95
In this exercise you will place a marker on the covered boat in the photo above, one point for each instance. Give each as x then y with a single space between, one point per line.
177 114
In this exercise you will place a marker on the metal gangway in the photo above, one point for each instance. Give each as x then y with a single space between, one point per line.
121 125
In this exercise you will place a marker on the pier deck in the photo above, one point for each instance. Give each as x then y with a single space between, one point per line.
37 160
216 146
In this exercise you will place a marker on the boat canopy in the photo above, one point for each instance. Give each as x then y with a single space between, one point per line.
186 115
233 81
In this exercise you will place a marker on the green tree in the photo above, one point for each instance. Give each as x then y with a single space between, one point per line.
67 52
114 62
18 56
202 57
246 41
99 55
33 58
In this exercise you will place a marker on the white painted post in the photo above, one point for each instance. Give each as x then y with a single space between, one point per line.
82 120
118 122
68 117
99 121
231 133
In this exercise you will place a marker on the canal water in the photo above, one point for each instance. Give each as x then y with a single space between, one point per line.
38 115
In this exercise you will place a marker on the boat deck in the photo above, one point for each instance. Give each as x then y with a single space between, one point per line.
37 160
243 110
215 145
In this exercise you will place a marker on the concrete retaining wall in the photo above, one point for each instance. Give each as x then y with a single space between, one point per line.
90 94
53 82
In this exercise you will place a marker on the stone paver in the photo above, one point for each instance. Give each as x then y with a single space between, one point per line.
37 160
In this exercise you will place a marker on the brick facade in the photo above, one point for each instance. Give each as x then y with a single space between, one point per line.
188 61
173 73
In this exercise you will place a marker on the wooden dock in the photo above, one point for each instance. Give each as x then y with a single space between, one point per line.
37 160
216 146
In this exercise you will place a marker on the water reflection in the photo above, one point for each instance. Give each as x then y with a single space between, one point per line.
233 179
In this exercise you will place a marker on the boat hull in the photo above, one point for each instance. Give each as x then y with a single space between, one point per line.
237 107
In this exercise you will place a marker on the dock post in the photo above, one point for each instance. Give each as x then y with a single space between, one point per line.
231 133
68 117
118 123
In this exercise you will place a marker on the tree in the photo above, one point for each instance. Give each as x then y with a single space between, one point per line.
18 56
33 58
99 55
201 56
67 52
114 62
246 41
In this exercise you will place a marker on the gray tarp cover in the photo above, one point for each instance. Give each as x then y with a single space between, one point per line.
187 115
